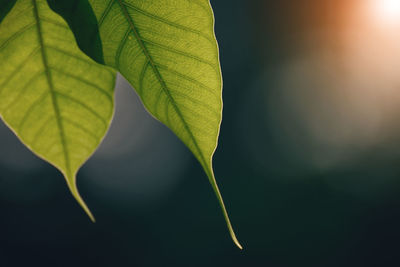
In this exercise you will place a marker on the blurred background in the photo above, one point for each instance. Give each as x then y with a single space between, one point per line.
308 157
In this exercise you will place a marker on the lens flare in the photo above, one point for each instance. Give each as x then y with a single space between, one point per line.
387 10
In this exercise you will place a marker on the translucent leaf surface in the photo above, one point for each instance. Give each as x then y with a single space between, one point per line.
58 101
167 50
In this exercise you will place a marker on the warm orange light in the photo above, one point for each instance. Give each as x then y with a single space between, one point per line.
387 10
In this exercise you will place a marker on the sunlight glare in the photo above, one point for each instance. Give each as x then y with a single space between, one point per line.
387 11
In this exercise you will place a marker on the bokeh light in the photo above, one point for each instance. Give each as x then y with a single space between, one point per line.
387 11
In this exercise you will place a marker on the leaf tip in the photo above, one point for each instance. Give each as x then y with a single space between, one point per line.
236 241
232 233
214 185
75 193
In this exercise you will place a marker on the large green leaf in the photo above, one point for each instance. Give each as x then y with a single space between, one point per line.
58 101
167 50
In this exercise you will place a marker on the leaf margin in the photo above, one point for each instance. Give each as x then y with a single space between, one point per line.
207 164
69 175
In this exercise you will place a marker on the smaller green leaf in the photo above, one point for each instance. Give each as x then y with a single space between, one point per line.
57 100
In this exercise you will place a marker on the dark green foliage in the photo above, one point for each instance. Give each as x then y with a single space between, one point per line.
82 21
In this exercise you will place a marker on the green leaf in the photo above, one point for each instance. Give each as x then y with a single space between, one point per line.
58 101
84 26
167 50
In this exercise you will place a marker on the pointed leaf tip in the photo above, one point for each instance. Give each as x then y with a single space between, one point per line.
75 193
57 100
214 185
168 52
238 244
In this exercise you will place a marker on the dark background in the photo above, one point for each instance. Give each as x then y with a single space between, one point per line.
308 158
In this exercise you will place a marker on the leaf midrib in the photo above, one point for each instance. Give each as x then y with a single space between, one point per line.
161 81
51 89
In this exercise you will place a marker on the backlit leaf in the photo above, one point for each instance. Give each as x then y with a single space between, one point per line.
167 50
57 100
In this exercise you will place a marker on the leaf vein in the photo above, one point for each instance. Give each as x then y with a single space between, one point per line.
162 82
141 77
54 102
16 16
168 22
83 128
39 132
69 54
92 111
170 49
23 90
121 47
17 33
188 78
196 101
17 69
105 13
55 23
87 82
30 109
